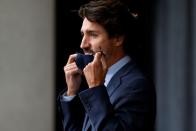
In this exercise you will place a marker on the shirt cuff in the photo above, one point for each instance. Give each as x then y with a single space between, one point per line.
67 98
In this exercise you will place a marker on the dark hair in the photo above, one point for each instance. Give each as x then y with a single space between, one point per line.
113 15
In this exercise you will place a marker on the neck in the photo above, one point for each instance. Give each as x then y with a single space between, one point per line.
115 57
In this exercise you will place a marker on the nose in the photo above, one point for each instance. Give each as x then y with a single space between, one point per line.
84 43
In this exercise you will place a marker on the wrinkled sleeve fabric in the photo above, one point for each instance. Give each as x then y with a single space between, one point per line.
127 109
73 114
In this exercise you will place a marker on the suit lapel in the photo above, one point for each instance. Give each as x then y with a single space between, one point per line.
86 124
116 79
112 86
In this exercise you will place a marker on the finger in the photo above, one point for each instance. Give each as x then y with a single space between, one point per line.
74 72
72 69
71 58
71 66
97 57
104 63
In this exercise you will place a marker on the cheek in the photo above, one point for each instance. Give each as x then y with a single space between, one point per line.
94 46
107 48
101 44
97 44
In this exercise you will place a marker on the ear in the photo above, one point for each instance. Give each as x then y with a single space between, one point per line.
118 40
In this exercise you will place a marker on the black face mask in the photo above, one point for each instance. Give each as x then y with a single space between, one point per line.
82 60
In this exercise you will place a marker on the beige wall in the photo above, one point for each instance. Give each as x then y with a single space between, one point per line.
26 65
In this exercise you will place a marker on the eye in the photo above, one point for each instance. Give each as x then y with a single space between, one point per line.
92 34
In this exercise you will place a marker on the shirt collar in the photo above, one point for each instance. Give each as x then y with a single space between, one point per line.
116 67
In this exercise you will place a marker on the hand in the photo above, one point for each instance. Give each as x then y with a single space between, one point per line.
96 70
72 76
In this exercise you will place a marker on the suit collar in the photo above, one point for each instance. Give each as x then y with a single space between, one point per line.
116 79
115 68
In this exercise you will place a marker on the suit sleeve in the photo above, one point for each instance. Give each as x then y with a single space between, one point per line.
130 109
73 114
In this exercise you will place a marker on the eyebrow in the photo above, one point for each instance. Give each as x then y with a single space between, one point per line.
89 31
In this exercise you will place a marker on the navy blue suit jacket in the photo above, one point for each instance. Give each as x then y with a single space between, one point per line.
126 104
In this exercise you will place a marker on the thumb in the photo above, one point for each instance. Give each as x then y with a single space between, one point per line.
71 58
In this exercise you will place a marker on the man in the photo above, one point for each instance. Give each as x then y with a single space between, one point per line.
118 96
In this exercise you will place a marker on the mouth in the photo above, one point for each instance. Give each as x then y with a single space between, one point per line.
90 52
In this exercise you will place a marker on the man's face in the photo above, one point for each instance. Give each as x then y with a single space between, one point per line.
95 39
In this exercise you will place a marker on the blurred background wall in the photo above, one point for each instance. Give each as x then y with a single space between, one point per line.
26 65
175 62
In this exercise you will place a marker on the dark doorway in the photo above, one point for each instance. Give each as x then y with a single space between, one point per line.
67 42
68 39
